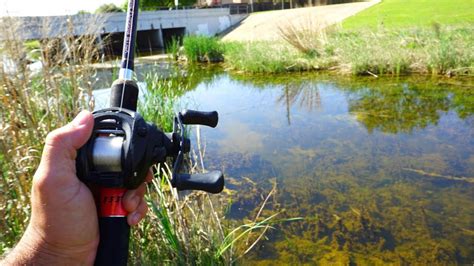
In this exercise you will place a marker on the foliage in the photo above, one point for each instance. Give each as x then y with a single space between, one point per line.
108 8
413 13
436 50
83 12
264 57
202 49
34 102
152 5
33 49
161 98
190 229
308 37
172 47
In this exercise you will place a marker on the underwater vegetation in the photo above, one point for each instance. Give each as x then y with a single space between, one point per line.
381 170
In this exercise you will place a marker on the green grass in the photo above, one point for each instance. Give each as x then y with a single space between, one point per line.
202 49
190 228
413 13
160 102
172 47
263 57
437 50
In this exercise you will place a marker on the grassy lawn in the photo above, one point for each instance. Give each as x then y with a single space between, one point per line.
411 13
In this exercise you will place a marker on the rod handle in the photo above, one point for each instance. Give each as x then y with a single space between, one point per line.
113 228
113 245
124 93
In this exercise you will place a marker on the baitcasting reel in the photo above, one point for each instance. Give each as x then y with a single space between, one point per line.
123 146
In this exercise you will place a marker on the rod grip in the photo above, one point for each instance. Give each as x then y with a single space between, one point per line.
113 228
124 93
113 245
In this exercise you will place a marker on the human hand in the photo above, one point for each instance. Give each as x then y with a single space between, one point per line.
63 228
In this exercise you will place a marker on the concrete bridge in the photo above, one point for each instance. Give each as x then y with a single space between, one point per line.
154 28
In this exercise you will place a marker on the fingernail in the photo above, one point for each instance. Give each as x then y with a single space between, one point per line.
81 119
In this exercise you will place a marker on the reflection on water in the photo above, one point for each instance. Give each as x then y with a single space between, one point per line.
382 171
304 94
233 141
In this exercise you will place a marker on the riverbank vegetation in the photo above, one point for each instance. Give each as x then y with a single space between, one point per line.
34 102
436 50
394 37
203 49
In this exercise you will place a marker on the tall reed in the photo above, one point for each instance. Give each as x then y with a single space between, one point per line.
184 229
34 102
160 101
190 228
203 49
309 36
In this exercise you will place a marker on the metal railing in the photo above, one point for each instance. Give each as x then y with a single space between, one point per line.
238 8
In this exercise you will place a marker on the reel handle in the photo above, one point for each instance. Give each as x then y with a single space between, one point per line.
192 117
212 182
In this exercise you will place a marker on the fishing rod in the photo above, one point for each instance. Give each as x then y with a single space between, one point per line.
122 148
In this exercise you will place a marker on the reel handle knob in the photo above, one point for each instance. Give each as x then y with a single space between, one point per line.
212 182
192 117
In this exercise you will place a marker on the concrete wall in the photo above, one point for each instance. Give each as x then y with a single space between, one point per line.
195 21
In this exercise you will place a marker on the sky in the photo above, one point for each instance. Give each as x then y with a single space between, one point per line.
50 7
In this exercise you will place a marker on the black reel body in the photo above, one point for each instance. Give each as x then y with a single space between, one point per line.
123 146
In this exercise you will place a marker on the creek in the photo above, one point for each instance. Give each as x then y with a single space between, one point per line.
381 170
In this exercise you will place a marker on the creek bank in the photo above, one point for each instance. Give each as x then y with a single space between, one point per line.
438 51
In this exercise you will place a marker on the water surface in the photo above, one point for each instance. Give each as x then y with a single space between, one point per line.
382 170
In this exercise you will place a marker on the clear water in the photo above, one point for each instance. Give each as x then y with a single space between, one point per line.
381 170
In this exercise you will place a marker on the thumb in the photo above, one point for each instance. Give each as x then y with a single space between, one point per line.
64 142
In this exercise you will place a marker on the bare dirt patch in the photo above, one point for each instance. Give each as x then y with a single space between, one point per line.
264 25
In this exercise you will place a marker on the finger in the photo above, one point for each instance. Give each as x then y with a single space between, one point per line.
133 197
149 176
61 146
135 217
63 142
73 135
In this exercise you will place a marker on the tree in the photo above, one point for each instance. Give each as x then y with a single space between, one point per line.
83 12
151 5
108 8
